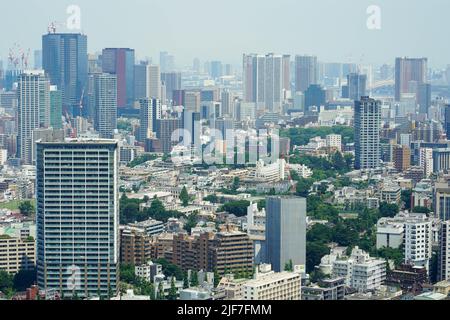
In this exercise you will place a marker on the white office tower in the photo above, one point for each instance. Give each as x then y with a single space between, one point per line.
77 217
274 82
418 240
150 112
105 100
153 82
33 93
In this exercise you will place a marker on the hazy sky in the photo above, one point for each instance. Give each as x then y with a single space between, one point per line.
335 30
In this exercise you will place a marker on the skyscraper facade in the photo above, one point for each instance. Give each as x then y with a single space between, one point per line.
65 60
33 111
172 81
409 73
55 107
105 101
77 217
263 77
140 81
149 113
306 72
367 133
356 86
153 82
120 61
285 231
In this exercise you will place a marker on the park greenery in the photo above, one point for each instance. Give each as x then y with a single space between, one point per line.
130 210
301 136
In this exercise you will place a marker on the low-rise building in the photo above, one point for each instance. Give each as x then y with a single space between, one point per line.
360 271
327 289
17 254
269 285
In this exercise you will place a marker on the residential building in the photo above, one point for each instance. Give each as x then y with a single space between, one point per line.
78 218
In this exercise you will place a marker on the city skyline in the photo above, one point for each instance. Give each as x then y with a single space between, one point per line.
344 27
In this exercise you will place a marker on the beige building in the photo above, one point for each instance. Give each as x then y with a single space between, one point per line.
17 254
269 285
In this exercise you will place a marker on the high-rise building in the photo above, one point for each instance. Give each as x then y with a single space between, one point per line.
315 96
447 120
37 59
273 82
306 72
120 62
78 217
191 126
166 61
105 101
55 107
285 231
402 158
286 73
150 112
216 69
444 252
367 133
33 111
172 82
253 79
441 200
265 80
153 82
424 97
65 60
356 86
192 100
165 128
407 72
140 80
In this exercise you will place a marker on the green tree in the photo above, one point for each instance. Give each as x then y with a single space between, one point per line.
6 281
388 209
217 278
236 184
238 208
194 279
191 222
160 294
26 208
185 281
314 253
173 294
406 198
289 266
184 197
24 279
303 187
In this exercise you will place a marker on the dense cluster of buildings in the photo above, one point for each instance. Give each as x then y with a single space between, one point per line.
127 162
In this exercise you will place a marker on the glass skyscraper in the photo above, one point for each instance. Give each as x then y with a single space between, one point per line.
77 217
65 60
120 61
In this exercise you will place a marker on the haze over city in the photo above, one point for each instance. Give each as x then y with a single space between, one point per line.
335 31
